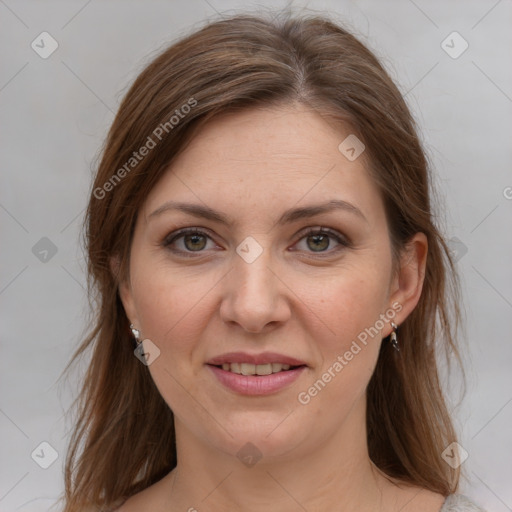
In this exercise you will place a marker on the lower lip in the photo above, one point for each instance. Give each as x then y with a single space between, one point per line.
256 384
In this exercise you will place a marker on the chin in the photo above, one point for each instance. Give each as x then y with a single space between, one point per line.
259 435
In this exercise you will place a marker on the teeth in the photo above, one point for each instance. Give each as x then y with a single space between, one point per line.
247 369
255 369
264 369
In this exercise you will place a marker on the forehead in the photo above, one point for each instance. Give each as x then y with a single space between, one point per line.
267 160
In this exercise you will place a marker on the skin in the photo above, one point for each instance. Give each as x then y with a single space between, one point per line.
295 299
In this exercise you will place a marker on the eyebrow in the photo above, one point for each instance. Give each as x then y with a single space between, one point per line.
289 216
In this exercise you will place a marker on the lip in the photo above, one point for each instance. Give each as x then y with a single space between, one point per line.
256 384
263 358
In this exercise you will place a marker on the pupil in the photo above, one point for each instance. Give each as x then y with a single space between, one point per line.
194 239
320 238
320 242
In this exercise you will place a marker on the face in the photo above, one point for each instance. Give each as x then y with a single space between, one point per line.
285 266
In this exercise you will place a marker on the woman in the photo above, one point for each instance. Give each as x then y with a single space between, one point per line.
268 278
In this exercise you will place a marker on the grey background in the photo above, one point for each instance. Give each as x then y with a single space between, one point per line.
55 113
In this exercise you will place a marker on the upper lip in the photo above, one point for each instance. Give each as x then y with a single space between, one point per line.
263 358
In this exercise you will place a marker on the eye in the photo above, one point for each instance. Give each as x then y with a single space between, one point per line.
318 240
193 240
190 240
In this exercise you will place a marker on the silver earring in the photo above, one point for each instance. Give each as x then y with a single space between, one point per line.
136 334
393 339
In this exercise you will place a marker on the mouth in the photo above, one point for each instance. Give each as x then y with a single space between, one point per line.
248 369
255 374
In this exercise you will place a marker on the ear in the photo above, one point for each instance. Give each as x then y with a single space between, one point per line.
408 283
125 291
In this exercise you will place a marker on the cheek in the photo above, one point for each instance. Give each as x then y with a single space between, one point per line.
348 348
349 305
171 308
171 304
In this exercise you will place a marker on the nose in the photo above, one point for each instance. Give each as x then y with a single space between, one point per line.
254 296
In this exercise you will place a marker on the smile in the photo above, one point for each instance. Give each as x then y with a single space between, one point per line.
256 379
255 369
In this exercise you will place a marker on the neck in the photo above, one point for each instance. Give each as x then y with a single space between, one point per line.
337 475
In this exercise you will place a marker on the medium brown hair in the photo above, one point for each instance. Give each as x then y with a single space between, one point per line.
124 437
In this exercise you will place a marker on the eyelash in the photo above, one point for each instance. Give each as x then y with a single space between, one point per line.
171 238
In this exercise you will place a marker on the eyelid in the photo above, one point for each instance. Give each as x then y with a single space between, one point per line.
312 230
176 235
343 241
324 230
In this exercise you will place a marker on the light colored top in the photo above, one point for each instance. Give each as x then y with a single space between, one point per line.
460 503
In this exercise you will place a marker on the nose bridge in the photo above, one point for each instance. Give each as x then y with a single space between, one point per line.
253 278
254 295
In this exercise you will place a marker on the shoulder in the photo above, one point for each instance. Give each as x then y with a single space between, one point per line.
407 497
460 503
154 498
418 499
